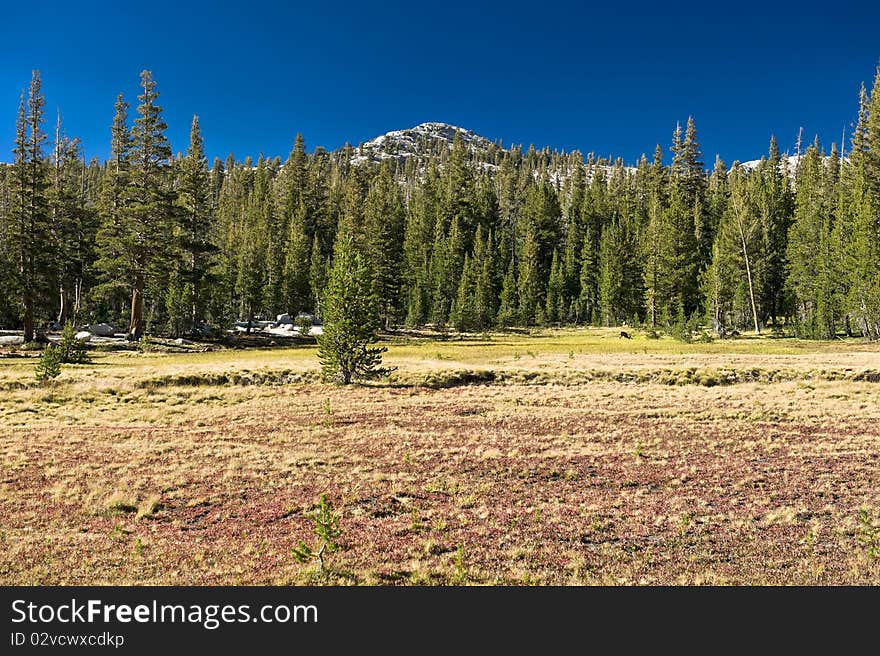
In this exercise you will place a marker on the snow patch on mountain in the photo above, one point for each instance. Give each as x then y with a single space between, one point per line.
791 163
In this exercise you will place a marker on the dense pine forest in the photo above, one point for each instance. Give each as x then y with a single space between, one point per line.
469 237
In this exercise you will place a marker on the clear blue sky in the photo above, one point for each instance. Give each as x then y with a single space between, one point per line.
609 77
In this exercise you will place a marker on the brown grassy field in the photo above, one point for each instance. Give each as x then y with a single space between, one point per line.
566 457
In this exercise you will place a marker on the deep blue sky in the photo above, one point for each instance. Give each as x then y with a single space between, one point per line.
609 77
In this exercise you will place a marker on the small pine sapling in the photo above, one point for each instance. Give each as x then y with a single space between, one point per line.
327 532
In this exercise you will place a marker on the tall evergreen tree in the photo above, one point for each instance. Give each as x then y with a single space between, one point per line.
863 249
554 304
297 287
352 319
741 226
685 209
508 310
384 222
136 249
657 246
31 234
74 225
772 201
529 284
807 237
485 293
194 235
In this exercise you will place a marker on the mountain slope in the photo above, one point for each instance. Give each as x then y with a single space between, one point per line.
421 140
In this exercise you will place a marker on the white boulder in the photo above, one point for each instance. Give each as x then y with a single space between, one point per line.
102 329
84 336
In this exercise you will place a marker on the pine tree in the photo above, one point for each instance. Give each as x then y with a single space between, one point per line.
384 223
485 294
742 226
418 239
658 243
317 274
459 200
31 235
863 251
291 187
621 296
297 288
469 236
508 311
529 284
554 304
7 279
807 232
588 301
74 224
137 233
772 201
447 261
179 303
463 313
194 244
717 286
276 231
686 220
113 202
351 319
541 216
573 243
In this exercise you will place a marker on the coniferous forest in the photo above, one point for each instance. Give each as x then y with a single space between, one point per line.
462 237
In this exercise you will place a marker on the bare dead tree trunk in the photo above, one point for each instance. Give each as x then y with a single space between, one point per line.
77 299
63 311
738 212
56 220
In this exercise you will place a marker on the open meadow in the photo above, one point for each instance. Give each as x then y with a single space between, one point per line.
556 457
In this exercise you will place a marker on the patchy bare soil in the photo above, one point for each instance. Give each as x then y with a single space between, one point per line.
599 482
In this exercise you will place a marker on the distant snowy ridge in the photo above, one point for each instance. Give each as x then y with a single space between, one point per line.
790 162
420 140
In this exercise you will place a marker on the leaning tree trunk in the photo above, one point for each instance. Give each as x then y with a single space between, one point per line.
745 251
136 326
751 288
64 311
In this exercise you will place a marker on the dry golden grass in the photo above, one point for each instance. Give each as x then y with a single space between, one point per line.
118 473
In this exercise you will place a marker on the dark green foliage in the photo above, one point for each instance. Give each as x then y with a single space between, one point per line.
351 319
179 299
529 283
297 266
317 274
136 238
508 311
49 364
327 532
29 229
72 350
555 306
303 325
194 236
384 224
470 237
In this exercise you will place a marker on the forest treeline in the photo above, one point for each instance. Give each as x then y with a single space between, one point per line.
462 237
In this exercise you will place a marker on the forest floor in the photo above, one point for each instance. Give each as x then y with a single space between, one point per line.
556 457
